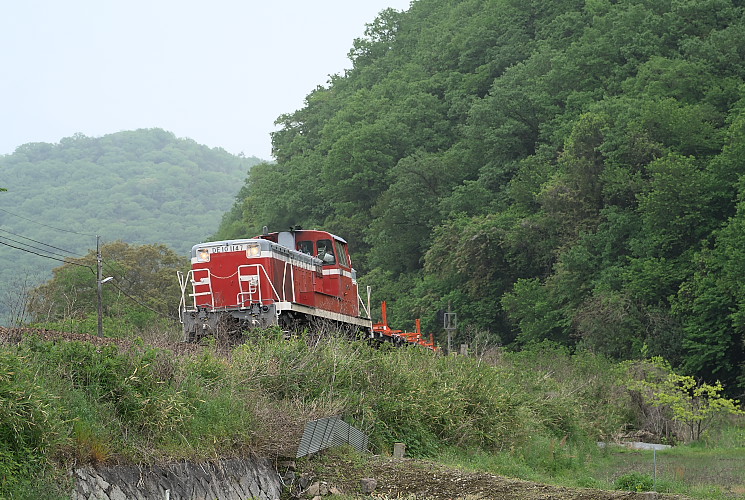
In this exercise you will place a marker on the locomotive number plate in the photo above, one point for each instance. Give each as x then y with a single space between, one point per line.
228 248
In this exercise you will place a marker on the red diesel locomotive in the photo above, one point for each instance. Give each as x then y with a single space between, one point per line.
289 278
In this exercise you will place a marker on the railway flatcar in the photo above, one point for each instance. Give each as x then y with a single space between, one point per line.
290 278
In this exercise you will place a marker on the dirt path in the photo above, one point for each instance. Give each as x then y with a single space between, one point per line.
409 478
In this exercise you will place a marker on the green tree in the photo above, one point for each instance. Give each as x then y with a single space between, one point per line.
144 283
532 308
609 323
407 213
711 307
676 211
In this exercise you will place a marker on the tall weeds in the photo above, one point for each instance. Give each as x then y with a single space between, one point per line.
31 426
102 404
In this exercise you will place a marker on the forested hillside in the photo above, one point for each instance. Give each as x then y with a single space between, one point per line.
142 187
565 170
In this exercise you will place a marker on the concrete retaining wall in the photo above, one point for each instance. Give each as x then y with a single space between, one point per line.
238 479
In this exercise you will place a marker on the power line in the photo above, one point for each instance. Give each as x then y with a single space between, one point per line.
46 256
110 267
113 270
67 252
136 301
118 272
66 261
45 225
35 247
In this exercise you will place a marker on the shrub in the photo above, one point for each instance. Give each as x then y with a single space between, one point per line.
634 481
693 405
526 408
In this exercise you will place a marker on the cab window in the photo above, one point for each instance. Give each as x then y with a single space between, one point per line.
326 252
305 247
341 252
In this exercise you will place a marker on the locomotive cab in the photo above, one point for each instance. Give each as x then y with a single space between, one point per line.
283 278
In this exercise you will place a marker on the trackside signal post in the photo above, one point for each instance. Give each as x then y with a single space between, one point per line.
450 324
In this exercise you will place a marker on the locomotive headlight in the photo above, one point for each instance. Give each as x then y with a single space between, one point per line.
253 250
203 255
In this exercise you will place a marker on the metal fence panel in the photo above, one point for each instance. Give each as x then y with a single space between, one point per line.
331 431
348 434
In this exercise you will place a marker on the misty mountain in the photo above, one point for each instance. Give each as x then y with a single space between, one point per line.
143 186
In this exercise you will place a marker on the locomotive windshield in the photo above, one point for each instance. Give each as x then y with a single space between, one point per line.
330 251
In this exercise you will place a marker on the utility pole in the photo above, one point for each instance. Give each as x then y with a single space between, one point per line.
99 285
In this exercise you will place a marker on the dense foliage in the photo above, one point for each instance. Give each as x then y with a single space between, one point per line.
142 187
567 170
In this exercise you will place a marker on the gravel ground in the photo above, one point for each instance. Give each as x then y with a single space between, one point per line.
419 479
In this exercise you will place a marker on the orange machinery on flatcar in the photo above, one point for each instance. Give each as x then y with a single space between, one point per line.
382 331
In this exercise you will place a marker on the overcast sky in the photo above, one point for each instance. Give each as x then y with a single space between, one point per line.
218 72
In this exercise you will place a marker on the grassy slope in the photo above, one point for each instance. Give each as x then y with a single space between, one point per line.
535 415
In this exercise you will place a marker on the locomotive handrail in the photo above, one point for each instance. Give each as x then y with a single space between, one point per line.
207 280
263 270
364 306
182 282
292 280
